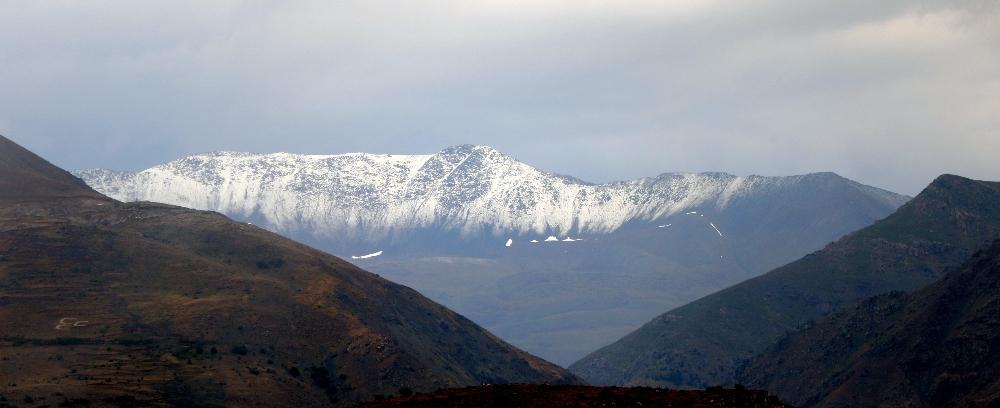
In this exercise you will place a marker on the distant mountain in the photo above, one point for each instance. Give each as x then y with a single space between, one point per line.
470 190
114 304
555 265
937 347
704 341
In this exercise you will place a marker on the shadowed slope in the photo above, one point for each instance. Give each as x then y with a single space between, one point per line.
104 301
936 347
701 343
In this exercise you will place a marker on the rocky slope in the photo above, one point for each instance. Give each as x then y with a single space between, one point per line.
555 265
111 303
937 347
703 342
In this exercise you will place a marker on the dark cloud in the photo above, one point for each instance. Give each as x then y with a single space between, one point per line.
890 93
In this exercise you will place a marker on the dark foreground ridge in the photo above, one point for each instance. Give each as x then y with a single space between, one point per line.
936 347
568 396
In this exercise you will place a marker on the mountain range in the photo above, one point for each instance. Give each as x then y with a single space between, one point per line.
143 304
555 265
706 341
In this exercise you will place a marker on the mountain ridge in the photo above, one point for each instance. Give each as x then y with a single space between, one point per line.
702 342
472 189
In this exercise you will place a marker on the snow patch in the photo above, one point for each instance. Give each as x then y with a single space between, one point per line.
664 226
551 238
371 255
715 228
510 242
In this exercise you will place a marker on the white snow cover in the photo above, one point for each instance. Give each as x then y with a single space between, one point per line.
371 255
551 238
509 242
368 197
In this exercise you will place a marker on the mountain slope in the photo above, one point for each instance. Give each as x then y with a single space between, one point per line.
702 342
156 304
935 347
27 176
441 223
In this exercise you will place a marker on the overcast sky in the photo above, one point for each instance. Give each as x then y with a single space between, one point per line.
890 93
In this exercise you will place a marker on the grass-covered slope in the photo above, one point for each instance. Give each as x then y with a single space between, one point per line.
701 343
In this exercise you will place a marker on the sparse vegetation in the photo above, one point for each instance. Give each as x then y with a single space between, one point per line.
273 263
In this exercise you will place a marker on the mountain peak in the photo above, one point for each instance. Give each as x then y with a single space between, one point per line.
953 182
471 149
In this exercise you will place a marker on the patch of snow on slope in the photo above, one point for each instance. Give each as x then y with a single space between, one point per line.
715 228
371 255
551 238
510 242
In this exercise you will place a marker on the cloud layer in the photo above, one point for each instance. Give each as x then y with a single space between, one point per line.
890 93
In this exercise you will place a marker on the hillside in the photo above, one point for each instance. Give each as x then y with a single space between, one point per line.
703 342
110 302
587 263
567 396
935 347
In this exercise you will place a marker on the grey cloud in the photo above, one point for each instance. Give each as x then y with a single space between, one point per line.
890 93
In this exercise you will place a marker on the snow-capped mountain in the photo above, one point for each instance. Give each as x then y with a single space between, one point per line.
467 189
553 264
